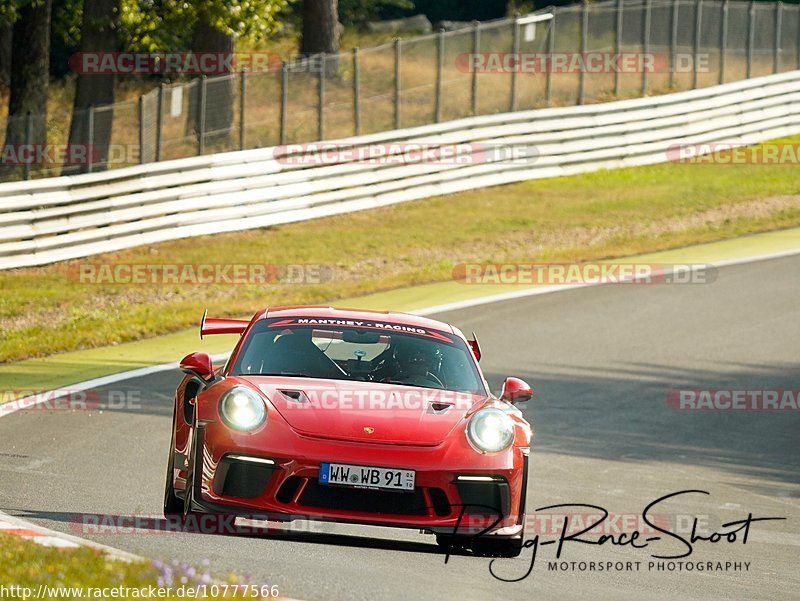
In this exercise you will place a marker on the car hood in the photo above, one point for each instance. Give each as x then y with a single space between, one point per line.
366 411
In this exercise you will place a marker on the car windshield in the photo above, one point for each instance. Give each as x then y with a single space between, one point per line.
365 351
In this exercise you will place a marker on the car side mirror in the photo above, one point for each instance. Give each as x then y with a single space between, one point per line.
516 391
198 364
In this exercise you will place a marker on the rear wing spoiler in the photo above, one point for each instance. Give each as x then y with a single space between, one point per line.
475 346
215 325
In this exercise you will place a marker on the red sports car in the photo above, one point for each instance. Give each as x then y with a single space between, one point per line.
351 416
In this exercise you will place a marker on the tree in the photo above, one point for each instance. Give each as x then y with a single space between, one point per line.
320 27
206 37
321 30
65 36
6 31
216 28
359 12
28 79
98 35
201 26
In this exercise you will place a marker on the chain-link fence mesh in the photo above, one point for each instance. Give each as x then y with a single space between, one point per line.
585 53
418 66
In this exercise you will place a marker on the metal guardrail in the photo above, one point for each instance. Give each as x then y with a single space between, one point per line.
55 219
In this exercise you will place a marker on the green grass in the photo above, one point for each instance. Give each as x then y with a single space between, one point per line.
47 373
26 564
587 217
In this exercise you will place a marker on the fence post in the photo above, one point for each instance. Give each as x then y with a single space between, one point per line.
321 98
397 51
201 125
141 130
356 105
673 43
584 44
512 104
439 67
648 16
160 120
90 138
551 45
242 98
751 32
618 42
698 30
284 91
723 41
26 169
476 44
776 62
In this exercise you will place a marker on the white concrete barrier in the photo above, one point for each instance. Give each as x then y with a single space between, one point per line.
48 220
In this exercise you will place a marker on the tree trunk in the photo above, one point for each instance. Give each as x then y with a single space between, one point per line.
30 69
6 30
219 96
98 34
321 31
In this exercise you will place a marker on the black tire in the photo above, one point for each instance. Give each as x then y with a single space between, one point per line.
173 505
495 546
485 546
187 507
455 545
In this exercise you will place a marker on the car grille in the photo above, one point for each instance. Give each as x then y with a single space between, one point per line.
362 500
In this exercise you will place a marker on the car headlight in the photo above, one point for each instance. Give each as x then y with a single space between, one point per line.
491 430
242 409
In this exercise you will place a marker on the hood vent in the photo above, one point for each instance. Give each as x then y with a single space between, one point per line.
294 396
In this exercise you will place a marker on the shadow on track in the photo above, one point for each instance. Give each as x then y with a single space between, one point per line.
623 415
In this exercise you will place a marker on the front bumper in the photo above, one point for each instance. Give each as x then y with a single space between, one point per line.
457 491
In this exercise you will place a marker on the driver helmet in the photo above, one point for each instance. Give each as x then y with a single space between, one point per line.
416 357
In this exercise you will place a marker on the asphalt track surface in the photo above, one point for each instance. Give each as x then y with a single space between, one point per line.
602 361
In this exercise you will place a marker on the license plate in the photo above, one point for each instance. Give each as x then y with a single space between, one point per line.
360 476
